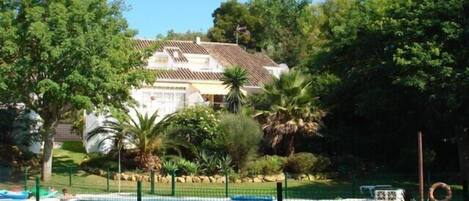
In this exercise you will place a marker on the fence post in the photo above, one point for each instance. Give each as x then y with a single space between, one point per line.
465 192
152 182
37 188
107 179
173 183
26 179
353 186
226 183
139 190
69 175
286 185
279 191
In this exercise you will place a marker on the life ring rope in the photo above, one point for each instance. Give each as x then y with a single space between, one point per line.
442 185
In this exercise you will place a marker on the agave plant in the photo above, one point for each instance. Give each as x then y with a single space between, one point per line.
143 135
188 167
212 163
169 167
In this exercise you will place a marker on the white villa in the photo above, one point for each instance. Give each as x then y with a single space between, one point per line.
189 74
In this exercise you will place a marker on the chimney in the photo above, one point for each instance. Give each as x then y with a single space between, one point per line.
197 40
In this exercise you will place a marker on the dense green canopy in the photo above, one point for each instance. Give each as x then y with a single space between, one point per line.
278 27
60 56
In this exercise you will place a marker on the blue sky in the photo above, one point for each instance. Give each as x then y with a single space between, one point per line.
152 17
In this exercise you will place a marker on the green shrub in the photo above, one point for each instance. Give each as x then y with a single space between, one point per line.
266 165
322 164
348 165
306 163
198 125
17 132
232 177
211 163
186 167
101 161
241 137
168 167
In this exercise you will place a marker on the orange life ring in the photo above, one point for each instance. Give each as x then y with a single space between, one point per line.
446 187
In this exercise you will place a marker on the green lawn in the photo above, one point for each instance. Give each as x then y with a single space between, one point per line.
69 154
72 153
86 183
330 189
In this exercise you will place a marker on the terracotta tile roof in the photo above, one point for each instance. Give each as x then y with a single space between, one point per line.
267 61
187 47
230 55
176 54
227 54
186 74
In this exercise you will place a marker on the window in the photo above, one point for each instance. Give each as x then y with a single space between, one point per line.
161 59
165 100
157 61
216 101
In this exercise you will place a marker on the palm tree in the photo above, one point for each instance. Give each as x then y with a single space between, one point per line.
292 112
234 78
143 135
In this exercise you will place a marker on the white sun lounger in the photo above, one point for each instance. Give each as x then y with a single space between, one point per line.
370 188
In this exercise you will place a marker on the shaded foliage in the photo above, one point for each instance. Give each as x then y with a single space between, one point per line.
18 131
402 68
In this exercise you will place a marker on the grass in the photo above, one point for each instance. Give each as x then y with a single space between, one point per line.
69 154
328 189
73 154
93 184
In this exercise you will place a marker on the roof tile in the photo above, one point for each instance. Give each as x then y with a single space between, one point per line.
187 47
187 74
227 54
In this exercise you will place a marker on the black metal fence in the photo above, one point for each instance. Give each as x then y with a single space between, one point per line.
103 185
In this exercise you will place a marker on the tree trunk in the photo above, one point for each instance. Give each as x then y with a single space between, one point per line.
48 137
463 151
291 145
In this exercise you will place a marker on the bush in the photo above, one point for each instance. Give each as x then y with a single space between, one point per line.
322 164
211 163
266 165
198 125
301 163
169 167
101 161
186 167
241 137
348 165
18 130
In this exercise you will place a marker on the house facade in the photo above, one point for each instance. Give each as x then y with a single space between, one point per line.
188 74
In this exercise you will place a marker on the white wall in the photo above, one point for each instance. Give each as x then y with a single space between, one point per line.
196 62
35 147
93 121
145 105
277 70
